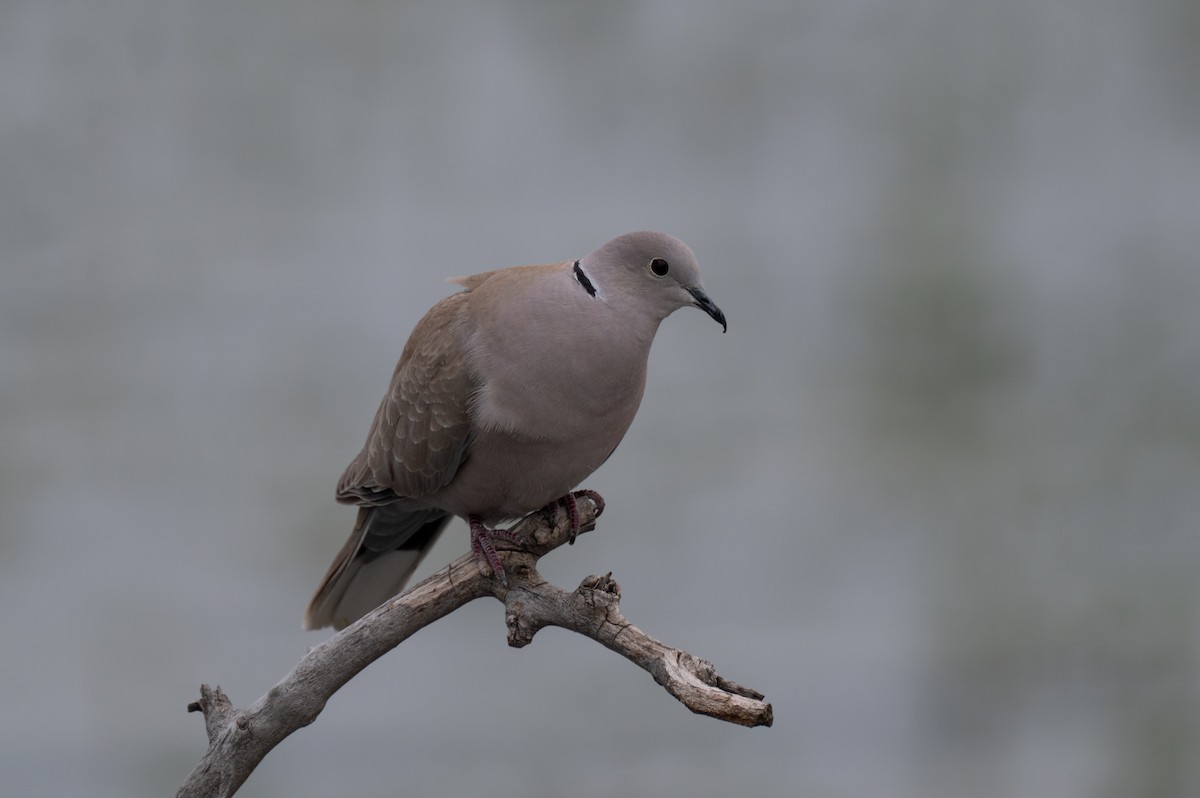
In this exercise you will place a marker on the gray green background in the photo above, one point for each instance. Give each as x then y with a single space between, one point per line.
937 492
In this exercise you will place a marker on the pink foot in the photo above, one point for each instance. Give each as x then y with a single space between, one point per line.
571 502
481 545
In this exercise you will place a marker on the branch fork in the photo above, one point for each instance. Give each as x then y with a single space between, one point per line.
240 739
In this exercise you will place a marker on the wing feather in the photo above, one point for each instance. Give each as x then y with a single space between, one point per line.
422 430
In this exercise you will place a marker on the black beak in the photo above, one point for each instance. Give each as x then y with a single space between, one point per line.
708 306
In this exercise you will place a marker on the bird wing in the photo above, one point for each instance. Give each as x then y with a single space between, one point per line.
422 430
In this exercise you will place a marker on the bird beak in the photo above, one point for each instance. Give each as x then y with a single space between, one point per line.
701 300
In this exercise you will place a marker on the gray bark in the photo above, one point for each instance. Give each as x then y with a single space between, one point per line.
240 738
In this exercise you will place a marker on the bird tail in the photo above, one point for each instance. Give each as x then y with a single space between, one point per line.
381 554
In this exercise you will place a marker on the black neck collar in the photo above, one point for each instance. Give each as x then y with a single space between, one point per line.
584 281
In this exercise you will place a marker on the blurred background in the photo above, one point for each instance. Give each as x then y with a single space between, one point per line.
937 492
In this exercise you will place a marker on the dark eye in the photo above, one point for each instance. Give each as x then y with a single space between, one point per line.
659 267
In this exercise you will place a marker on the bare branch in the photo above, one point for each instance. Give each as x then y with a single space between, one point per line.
593 610
240 739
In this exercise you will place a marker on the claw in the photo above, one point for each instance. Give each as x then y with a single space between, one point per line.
571 503
596 498
573 515
481 545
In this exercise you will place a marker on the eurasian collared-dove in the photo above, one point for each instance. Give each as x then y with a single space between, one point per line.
507 395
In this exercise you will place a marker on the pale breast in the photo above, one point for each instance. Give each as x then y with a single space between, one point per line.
560 380
506 477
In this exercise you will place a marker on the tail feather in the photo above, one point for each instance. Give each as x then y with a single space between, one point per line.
384 549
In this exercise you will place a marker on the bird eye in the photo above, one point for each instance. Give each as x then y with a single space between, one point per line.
659 267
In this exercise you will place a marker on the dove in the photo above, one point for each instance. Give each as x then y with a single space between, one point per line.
507 395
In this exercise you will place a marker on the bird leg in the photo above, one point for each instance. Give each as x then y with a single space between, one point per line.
481 536
570 501
481 545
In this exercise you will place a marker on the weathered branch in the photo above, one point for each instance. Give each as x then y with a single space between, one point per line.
239 739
